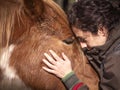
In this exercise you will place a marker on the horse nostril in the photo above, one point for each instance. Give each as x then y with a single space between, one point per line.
69 40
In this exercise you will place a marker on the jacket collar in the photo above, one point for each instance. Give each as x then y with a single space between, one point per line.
112 39
98 53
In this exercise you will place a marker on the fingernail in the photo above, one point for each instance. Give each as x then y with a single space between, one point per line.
44 59
45 54
43 67
63 53
50 50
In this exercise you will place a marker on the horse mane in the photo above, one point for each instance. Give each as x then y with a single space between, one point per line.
12 9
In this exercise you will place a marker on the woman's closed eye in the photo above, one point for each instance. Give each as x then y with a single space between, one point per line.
81 39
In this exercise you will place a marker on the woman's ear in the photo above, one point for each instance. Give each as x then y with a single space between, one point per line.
102 31
35 8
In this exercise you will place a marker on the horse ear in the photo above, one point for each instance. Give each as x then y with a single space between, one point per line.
35 8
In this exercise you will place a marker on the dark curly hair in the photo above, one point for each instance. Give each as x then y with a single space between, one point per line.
88 15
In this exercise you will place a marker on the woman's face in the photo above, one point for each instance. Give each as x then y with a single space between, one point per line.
88 39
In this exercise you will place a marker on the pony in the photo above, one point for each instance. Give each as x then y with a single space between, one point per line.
28 28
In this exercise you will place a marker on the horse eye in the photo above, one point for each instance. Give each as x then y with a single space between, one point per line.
69 40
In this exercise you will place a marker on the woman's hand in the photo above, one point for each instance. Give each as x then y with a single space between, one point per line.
56 65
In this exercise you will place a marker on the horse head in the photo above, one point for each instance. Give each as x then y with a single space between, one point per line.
28 29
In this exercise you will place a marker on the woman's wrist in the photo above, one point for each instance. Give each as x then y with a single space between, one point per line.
67 76
71 81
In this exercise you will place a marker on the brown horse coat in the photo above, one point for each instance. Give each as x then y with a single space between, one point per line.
28 29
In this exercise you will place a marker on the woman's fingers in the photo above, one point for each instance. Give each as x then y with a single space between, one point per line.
57 58
65 57
49 70
49 64
49 58
56 65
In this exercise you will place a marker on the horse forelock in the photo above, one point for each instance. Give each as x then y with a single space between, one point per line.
11 19
57 10
10 12
7 12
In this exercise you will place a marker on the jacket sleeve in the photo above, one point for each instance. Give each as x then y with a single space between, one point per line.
72 82
111 72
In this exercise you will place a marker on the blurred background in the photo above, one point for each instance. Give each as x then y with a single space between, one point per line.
65 4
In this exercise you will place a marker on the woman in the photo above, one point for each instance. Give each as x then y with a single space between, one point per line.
96 24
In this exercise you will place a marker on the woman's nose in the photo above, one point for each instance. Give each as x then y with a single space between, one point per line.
83 45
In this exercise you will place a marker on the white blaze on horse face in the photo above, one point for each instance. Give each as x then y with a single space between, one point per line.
10 80
7 71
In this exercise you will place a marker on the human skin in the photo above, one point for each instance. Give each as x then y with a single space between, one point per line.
61 66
